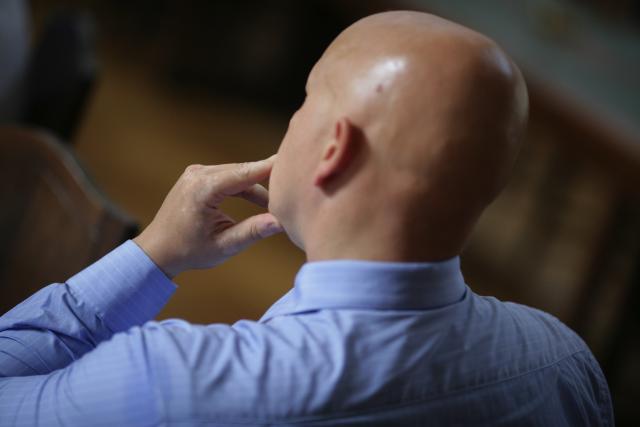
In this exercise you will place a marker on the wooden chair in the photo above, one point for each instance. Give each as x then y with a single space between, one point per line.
53 220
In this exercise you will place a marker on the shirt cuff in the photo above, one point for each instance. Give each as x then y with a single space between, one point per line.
125 287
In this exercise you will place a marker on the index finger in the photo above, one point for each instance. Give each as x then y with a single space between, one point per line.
237 179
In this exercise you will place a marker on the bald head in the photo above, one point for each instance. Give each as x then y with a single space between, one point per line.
410 128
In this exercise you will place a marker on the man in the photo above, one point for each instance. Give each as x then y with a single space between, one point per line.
409 129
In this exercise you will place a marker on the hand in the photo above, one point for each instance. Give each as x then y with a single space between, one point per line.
189 231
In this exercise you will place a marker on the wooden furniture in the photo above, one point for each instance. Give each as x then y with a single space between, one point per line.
53 220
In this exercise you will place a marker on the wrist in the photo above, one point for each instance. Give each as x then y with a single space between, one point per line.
159 257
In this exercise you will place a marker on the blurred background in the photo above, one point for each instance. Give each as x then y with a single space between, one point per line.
103 104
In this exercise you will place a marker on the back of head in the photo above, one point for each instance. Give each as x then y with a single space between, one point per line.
437 111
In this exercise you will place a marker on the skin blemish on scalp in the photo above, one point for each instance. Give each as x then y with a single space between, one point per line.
382 73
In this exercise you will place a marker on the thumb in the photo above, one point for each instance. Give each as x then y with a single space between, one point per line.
238 237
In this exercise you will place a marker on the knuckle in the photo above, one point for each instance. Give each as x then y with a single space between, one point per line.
191 169
243 170
214 181
227 248
254 232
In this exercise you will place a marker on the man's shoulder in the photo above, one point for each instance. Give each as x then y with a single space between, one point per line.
536 351
536 331
349 362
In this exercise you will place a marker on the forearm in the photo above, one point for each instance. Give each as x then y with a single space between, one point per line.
62 322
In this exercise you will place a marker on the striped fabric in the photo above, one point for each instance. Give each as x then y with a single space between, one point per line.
352 343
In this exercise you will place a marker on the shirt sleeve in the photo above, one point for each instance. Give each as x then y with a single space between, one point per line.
110 385
155 374
63 321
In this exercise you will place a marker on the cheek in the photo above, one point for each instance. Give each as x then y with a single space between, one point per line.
292 166
280 179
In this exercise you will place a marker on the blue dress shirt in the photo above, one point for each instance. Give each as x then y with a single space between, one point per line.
353 343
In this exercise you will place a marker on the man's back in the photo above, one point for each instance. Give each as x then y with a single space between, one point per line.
339 349
353 343
476 362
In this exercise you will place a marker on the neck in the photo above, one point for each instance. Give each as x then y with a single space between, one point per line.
376 238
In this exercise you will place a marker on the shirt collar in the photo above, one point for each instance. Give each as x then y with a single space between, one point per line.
376 285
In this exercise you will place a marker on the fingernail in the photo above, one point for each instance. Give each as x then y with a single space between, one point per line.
272 228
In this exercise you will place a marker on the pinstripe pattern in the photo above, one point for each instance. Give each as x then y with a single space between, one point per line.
354 342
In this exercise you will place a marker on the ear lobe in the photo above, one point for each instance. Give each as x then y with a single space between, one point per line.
338 153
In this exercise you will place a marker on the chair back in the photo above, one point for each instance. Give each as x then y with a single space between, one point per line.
53 220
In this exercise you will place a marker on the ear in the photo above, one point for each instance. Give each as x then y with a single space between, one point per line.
338 153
